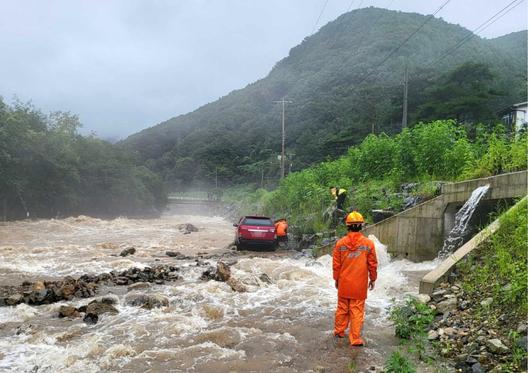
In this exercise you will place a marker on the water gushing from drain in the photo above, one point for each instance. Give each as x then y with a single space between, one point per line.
460 231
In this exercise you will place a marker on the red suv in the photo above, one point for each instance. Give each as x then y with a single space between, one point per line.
255 230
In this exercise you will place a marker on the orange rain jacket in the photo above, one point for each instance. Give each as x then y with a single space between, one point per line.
281 228
354 259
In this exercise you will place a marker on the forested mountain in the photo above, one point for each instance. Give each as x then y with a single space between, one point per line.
340 94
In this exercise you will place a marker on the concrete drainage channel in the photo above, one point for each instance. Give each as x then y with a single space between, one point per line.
429 282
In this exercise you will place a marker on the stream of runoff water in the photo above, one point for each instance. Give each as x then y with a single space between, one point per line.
281 325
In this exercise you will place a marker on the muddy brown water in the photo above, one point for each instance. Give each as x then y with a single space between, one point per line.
283 326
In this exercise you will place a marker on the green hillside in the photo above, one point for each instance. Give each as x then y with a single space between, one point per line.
239 134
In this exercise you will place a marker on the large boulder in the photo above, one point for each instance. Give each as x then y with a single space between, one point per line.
223 271
147 301
100 308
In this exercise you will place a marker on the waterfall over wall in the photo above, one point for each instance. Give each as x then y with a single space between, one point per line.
461 229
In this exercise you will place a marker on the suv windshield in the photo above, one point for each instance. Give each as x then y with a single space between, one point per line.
257 221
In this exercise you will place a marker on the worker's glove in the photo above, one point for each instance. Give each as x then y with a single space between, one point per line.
371 285
336 284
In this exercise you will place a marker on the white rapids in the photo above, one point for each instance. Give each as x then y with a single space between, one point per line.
279 326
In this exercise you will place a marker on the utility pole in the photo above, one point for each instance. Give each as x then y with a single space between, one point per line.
216 183
405 98
283 102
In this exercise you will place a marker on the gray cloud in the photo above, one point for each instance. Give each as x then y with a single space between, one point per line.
126 65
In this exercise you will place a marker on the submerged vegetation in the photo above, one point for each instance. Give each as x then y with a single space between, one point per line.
374 171
47 169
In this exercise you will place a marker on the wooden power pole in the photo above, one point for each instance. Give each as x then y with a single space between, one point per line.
283 102
405 98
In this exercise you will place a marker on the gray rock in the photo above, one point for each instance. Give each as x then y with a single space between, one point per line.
139 285
176 254
187 228
38 296
313 263
422 298
450 331
432 335
446 305
68 311
265 278
128 251
14 299
438 294
99 308
236 285
147 301
121 280
471 360
486 302
91 318
107 299
496 346
223 271
522 328
477 368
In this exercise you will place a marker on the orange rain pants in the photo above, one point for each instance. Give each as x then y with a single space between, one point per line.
354 262
350 311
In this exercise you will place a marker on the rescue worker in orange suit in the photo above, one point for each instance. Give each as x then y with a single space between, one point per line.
354 263
281 227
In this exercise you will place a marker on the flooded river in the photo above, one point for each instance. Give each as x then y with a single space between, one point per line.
281 325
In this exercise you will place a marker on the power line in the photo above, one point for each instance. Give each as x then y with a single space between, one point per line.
480 28
320 15
367 75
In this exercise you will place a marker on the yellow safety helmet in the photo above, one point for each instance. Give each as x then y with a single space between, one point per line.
354 218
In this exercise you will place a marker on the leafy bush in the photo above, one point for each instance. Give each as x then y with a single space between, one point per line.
398 363
411 318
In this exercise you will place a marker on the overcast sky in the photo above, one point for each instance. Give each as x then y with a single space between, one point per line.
126 65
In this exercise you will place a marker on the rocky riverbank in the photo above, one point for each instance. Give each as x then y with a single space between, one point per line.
86 286
472 333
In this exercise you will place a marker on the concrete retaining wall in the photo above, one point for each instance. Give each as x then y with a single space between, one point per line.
418 233
415 234
440 273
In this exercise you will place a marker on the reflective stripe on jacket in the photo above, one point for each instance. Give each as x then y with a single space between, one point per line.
354 260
